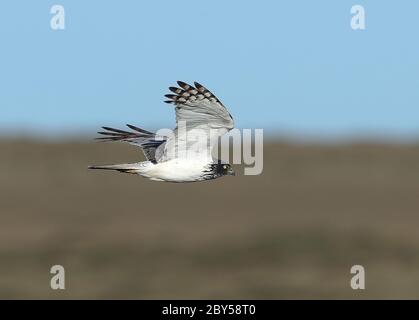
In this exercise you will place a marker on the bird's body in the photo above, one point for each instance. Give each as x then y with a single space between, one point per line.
175 170
176 158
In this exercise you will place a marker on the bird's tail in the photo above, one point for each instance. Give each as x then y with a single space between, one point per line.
133 168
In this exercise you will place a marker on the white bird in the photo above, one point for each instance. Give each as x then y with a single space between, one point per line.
178 158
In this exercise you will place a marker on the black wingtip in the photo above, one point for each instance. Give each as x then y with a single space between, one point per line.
184 85
199 86
132 127
107 133
105 139
175 90
115 130
170 96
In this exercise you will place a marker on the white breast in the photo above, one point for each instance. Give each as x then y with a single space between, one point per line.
176 170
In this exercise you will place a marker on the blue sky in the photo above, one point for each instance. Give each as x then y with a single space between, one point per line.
292 67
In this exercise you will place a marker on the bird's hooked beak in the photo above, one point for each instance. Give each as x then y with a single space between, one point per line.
231 172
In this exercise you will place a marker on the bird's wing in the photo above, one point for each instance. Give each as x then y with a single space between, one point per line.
144 139
201 115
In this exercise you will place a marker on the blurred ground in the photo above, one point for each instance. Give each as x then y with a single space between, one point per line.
293 232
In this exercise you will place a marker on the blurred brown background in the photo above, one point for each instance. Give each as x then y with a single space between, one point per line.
292 232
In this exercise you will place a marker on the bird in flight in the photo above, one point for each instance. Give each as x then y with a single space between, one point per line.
177 158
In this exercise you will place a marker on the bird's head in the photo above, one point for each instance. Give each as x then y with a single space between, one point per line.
219 169
228 170
223 169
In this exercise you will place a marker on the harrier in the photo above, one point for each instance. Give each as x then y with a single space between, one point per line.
177 158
